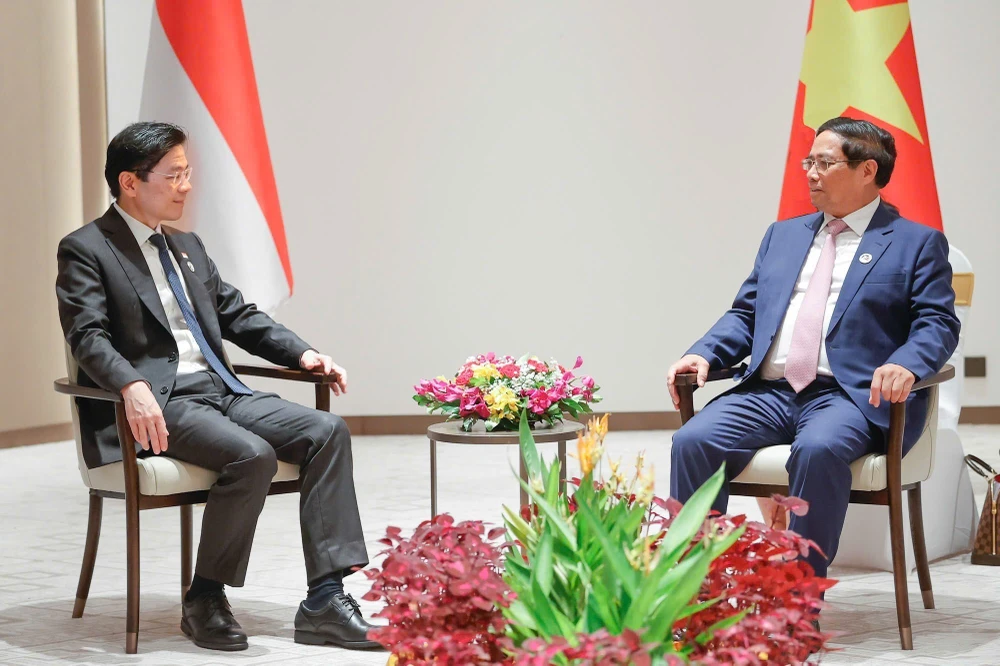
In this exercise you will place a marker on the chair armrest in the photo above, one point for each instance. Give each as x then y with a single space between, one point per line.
687 384
291 374
125 439
943 375
897 417
322 382
691 378
67 387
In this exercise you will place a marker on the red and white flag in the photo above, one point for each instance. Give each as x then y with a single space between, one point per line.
199 75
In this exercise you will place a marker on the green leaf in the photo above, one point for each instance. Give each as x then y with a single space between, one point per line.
563 529
676 589
724 623
529 452
613 553
598 606
691 517
518 611
697 608
541 570
544 614
518 526
552 483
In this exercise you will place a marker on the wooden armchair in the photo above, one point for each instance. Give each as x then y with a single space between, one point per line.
156 482
877 479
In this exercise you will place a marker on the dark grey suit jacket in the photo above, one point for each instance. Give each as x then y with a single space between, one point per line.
118 331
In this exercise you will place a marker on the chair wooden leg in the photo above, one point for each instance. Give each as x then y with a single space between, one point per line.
562 467
899 565
132 575
434 480
89 554
920 547
186 533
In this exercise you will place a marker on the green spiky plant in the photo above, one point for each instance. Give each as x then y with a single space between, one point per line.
594 562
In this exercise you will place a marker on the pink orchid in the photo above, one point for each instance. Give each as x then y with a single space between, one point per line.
588 382
558 391
472 403
539 401
579 362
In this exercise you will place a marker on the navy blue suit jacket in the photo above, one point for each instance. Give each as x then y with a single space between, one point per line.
898 308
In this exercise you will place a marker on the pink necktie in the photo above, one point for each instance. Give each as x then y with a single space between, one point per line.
807 335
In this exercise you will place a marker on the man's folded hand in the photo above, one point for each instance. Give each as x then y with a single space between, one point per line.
689 363
145 417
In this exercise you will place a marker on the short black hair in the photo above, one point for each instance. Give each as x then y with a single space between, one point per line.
862 141
139 147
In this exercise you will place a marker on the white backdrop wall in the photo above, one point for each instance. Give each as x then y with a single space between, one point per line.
561 177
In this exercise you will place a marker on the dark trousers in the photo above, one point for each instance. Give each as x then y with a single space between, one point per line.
825 429
242 438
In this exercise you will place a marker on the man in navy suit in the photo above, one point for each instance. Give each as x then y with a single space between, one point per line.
843 312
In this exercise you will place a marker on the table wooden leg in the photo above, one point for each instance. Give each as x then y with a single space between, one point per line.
524 476
562 467
434 480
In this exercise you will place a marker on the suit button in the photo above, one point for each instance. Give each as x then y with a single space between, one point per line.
173 357
163 390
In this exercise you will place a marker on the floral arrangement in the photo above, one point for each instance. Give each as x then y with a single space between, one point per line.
610 576
497 389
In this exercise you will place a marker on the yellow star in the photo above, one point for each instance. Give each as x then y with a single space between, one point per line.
844 64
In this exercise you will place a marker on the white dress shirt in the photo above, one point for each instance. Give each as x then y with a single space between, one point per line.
189 356
846 244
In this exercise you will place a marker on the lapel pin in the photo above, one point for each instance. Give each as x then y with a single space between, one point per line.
191 266
184 255
865 258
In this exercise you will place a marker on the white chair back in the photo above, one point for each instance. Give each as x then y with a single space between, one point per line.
951 392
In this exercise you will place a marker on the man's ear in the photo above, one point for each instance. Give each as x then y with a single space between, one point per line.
128 182
871 169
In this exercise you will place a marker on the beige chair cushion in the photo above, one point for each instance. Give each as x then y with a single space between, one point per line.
166 476
867 473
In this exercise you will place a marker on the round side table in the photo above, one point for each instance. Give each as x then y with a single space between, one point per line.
451 432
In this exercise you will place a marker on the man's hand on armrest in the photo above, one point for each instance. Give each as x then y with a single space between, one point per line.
145 417
313 360
891 382
689 363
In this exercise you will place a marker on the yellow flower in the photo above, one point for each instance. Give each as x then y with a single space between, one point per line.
599 427
589 452
617 479
644 493
500 399
487 371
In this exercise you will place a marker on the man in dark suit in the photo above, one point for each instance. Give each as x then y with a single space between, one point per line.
843 312
145 312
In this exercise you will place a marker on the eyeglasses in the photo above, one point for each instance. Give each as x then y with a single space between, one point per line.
176 178
823 165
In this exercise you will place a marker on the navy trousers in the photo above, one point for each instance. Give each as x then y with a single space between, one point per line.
825 429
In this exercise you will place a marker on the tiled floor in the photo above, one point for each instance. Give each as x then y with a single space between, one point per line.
44 509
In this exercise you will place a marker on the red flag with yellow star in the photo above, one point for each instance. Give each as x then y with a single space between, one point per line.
859 61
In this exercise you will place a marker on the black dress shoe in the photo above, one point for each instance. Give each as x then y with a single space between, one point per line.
209 621
338 623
